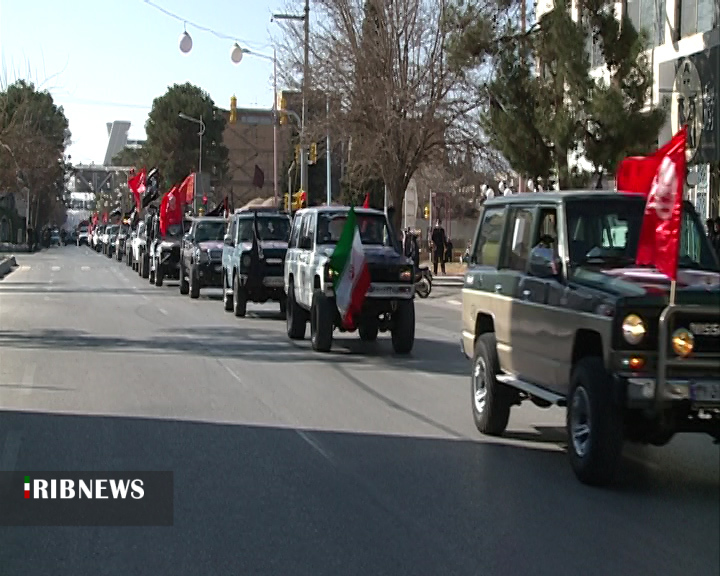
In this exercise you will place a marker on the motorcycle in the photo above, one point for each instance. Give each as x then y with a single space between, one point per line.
423 282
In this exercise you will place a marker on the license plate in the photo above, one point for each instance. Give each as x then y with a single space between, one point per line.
705 392
274 282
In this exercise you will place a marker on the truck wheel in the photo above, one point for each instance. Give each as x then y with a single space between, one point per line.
227 297
283 305
239 299
295 316
194 284
491 400
321 322
368 331
403 330
184 286
159 276
145 266
594 424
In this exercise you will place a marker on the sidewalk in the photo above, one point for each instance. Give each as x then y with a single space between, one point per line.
455 274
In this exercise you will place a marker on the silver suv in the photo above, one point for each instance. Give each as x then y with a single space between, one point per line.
389 303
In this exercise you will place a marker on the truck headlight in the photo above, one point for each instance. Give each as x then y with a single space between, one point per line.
330 274
406 275
633 329
683 342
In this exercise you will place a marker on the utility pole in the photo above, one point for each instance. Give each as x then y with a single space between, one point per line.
328 159
523 19
306 85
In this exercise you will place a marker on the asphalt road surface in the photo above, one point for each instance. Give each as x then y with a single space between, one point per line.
287 462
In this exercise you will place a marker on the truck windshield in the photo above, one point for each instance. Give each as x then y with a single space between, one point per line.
270 228
373 228
606 233
209 231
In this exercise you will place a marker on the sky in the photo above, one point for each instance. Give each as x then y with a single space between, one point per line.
106 60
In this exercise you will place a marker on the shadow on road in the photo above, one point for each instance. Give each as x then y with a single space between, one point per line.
249 342
267 500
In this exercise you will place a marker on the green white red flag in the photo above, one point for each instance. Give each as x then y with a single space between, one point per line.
351 274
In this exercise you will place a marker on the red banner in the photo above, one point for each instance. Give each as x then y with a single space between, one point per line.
171 210
660 233
137 187
187 189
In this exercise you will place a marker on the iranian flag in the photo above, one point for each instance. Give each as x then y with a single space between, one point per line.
352 277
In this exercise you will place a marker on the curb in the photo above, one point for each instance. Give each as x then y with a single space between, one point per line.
6 266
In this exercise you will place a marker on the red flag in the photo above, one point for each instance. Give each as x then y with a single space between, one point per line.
171 210
187 189
366 204
635 174
660 233
137 186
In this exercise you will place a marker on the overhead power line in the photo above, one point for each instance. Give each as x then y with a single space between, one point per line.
86 102
215 33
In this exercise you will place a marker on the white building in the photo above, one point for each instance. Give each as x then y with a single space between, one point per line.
685 57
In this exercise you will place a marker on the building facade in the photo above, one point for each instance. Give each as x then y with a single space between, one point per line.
684 54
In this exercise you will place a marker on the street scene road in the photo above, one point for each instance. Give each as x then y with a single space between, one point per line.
287 461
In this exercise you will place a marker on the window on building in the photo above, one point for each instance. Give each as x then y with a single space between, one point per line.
697 16
648 16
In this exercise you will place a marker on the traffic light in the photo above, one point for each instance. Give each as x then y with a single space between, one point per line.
299 199
313 153
297 154
282 105
427 212
233 110
286 205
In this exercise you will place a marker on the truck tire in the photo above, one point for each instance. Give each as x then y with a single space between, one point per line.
322 315
194 283
368 331
184 285
159 276
594 424
227 297
145 266
239 299
295 316
403 330
491 400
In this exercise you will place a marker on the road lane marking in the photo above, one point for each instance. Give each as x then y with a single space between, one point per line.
306 436
28 379
163 311
84 268
11 449
55 268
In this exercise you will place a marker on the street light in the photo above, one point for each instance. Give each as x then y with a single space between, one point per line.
202 131
305 18
236 55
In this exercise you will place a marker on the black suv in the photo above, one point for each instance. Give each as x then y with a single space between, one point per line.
201 255
165 252
253 257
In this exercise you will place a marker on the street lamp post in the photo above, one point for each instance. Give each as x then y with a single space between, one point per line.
202 131
236 56
305 18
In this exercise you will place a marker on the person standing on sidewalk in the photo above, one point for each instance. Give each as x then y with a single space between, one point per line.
439 246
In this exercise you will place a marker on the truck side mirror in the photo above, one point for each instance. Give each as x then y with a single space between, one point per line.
227 240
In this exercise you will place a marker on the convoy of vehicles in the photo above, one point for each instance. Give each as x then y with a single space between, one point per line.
554 309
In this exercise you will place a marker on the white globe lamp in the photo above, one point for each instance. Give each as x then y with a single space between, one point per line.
236 54
185 43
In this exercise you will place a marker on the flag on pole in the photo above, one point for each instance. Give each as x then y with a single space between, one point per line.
350 271
366 204
137 186
660 233
660 178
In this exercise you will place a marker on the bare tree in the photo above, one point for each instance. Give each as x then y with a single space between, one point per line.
401 103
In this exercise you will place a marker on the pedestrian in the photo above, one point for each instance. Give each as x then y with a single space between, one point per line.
439 246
